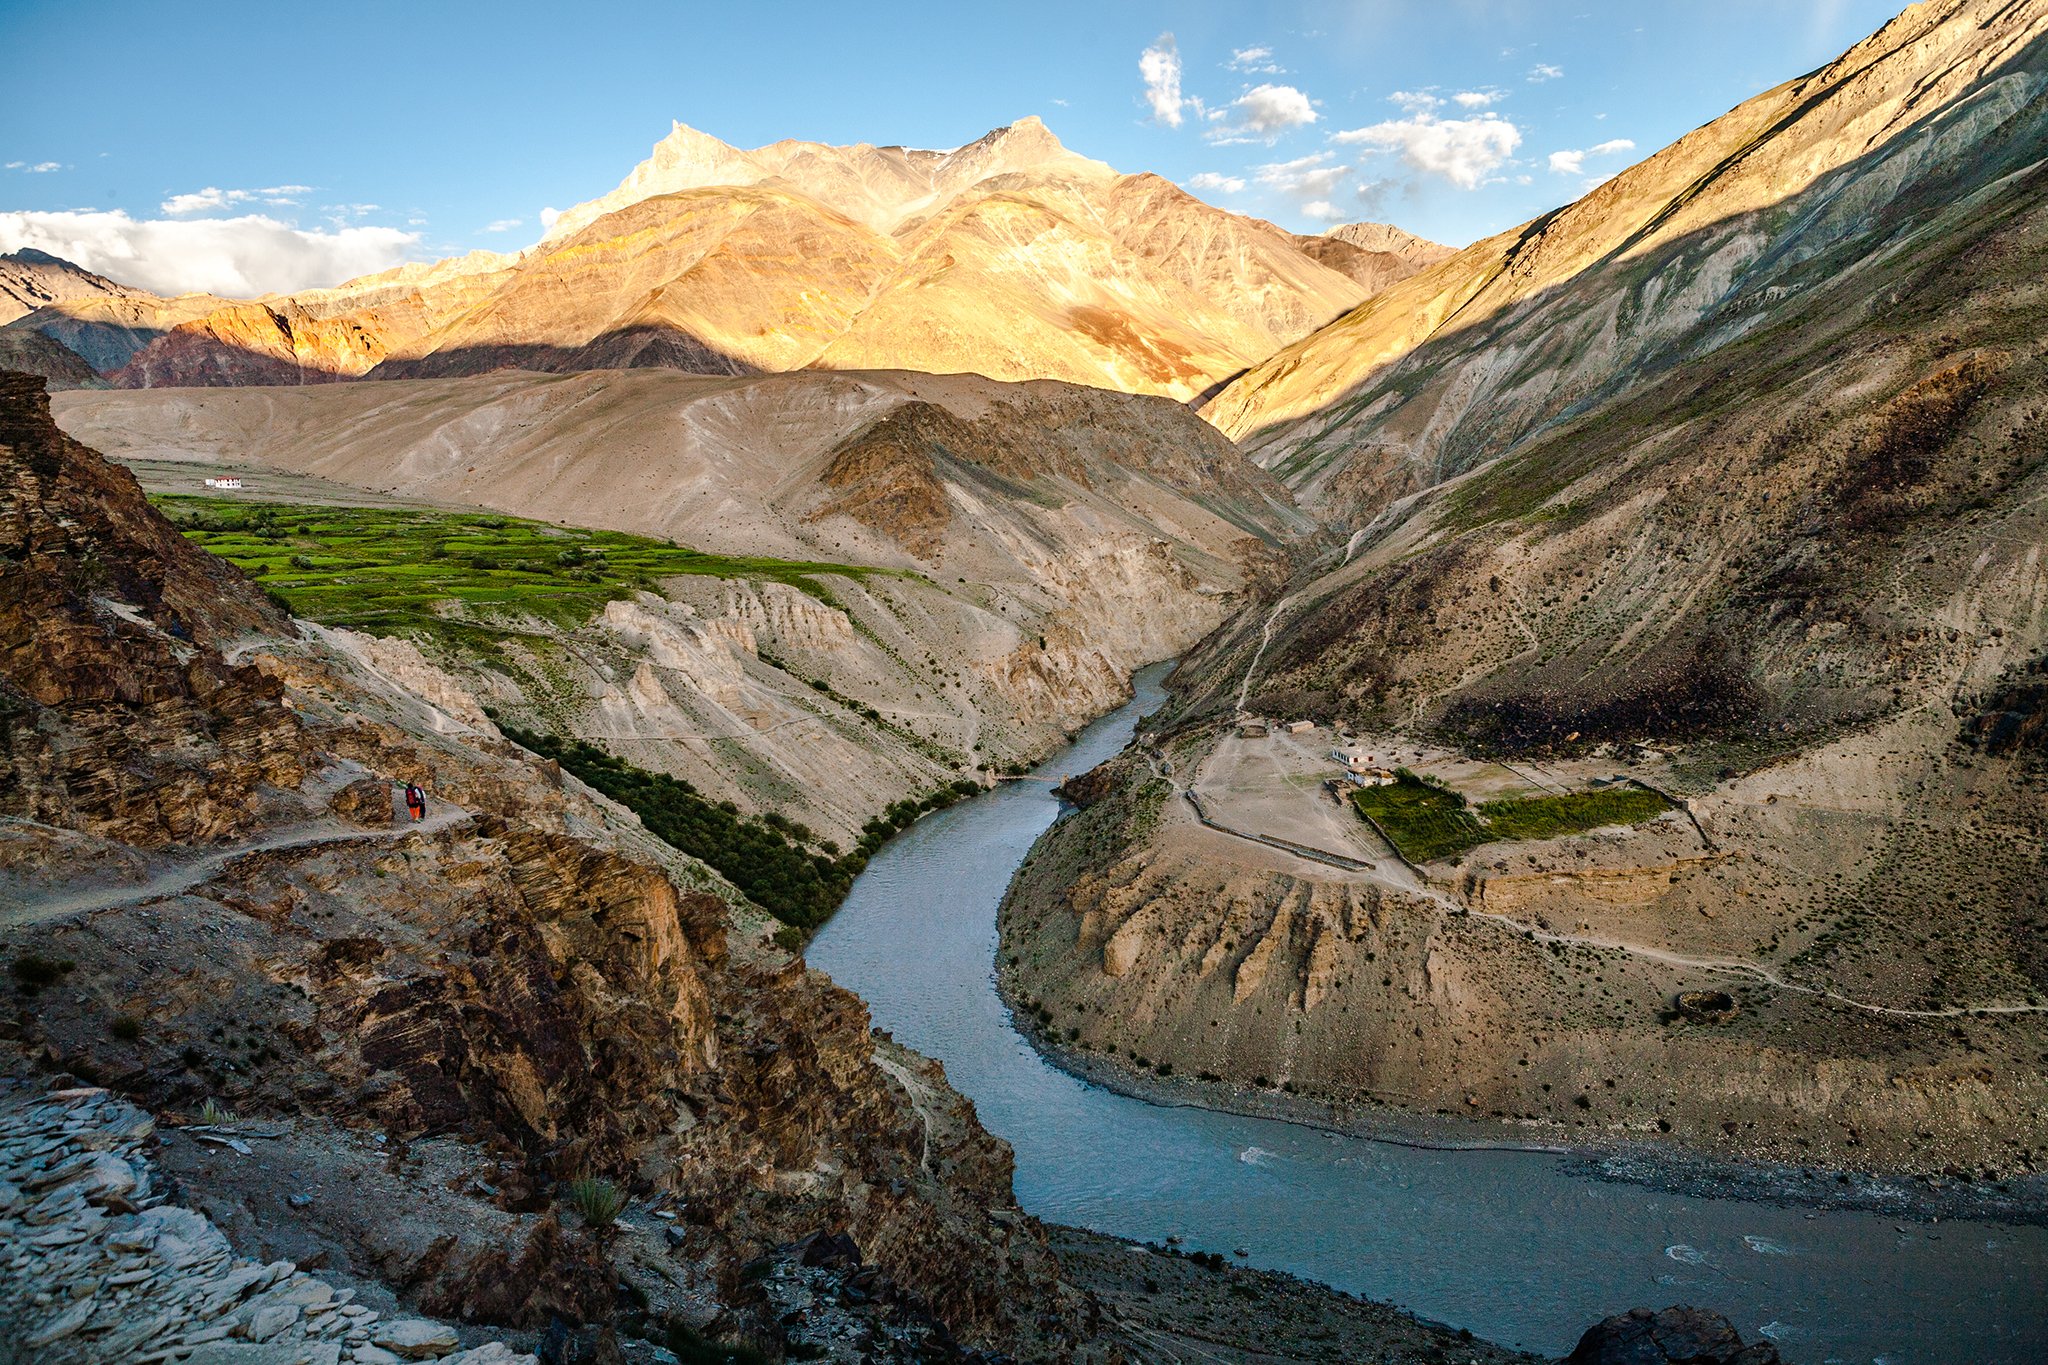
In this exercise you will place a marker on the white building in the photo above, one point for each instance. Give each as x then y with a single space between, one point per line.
226 483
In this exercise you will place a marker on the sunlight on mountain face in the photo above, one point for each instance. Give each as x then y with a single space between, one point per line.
1509 780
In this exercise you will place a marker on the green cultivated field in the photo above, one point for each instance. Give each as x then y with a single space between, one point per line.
1427 822
392 571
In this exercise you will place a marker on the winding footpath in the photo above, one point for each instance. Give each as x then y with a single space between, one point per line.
17 911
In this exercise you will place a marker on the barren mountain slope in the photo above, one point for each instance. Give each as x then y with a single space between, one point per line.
1010 257
1038 542
1788 569
1377 255
1673 258
29 279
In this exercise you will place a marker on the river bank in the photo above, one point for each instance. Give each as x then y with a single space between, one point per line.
1523 1248
1920 1199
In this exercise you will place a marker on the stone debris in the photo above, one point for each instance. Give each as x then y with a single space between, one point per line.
96 1266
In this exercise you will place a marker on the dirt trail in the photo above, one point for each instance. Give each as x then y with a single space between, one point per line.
920 1097
17 912
1740 967
1244 689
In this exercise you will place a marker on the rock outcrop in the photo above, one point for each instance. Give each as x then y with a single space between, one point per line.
1674 1336
100 1266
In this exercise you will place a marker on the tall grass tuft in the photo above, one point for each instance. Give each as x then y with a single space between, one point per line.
599 1202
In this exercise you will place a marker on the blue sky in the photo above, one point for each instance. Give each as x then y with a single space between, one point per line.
278 146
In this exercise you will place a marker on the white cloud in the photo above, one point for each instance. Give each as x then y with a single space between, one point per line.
1263 113
548 216
1573 161
1212 180
1159 65
503 224
1544 71
1479 99
1255 60
1307 177
1463 151
239 257
341 215
213 199
1323 210
38 168
1416 101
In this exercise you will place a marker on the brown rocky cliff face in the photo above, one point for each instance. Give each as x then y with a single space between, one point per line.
521 978
118 719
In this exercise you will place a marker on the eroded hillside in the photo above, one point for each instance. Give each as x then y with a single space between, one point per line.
987 563
1725 482
201 836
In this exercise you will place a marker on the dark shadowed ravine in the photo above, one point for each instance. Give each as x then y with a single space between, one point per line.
1516 1246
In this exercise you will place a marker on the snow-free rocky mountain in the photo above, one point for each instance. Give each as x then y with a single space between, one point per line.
1729 478
1010 257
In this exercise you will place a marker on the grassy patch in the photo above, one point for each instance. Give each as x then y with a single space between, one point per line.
1428 821
1424 820
1546 817
598 1202
392 571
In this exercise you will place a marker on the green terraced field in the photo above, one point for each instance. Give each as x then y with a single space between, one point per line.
400 571
1427 822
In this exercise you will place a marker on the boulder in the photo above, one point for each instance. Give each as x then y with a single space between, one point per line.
1675 1336
415 1338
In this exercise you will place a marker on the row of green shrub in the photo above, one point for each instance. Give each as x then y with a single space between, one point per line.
765 857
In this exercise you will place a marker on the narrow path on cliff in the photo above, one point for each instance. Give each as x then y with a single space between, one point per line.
19 911
920 1100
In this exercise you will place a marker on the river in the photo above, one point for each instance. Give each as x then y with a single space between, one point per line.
1516 1246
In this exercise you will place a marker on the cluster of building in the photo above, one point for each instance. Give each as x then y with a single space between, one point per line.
226 483
1361 769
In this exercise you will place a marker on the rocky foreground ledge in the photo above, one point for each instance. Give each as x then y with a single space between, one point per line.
97 1265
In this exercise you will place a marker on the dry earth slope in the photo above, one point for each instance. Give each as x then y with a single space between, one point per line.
1738 460
1038 542
198 819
